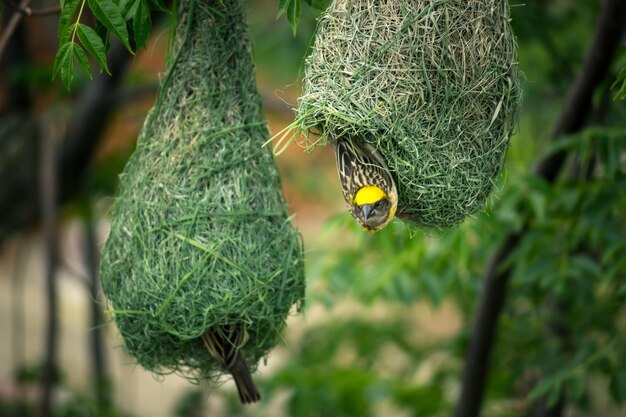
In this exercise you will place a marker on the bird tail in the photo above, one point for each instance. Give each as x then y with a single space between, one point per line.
224 344
248 392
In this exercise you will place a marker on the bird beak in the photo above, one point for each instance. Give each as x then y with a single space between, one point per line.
367 211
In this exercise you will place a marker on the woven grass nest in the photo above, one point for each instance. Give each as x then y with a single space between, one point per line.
432 84
200 234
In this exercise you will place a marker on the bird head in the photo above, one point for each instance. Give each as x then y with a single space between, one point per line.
367 184
372 208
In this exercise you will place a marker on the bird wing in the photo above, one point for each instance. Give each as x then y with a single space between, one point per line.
349 155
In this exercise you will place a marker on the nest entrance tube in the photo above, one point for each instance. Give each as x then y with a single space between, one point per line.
200 235
432 85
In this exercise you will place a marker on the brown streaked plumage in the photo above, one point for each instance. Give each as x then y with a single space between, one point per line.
225 343
367 184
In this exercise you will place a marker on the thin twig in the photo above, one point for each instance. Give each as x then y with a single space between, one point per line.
609 30
28 12
11 26
18 306
49 203
97 348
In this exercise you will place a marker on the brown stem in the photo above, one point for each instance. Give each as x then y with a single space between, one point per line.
10 28
17 54
98 359
49 203
609 30
18 303
93 110
28 12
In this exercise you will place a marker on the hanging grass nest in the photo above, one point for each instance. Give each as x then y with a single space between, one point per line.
200 234
432 84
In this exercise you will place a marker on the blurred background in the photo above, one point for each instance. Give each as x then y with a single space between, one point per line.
388 318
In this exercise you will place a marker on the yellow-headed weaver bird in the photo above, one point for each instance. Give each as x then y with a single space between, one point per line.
367 184
225 343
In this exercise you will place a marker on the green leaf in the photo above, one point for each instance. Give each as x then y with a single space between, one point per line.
621 78
110 15
67 66
550 386
142 25
81 57
68 8
64 62
282 7
103 33
93 44
158 5
60 58
318 4
129 8
293 14
617 387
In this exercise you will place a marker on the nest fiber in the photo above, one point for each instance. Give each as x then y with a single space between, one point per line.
200 234
432 85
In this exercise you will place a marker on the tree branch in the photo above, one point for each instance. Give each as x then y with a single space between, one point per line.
18 205
18 307
28 12
49 203
10 28
16 55
609 30
101 380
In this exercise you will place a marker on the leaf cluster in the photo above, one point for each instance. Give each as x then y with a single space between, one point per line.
293 8
342 368
130 22
564 325
570 277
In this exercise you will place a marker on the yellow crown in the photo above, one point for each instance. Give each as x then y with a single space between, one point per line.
369 194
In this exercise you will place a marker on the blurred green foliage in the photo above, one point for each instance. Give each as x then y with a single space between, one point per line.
563 331
620 84
569 273
573 257
564 328
70 404
129 21
190 404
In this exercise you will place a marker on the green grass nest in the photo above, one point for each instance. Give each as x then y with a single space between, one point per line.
200 234
433 85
